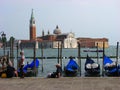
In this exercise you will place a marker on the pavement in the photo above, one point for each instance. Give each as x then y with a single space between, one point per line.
63 83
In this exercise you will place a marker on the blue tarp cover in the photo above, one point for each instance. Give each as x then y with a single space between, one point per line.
31 65
72 65
110 70
107 60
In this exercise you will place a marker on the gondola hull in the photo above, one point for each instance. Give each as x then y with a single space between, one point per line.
92 72
112 72
91 68
70 73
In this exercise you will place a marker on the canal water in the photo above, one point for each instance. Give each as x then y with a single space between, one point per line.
49 64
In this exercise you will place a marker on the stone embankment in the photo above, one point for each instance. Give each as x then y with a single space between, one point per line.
63 83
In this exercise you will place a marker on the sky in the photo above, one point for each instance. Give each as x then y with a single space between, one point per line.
85 18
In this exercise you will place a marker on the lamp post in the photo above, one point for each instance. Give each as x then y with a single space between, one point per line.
3 35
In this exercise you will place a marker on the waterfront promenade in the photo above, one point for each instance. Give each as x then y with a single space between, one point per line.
63 83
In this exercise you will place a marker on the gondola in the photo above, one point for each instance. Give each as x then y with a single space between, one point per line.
71 69
91 68
30 69
111 68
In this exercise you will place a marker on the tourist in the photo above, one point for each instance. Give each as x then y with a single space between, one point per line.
21 71
22 58
56 74
10 71
58 71
21 64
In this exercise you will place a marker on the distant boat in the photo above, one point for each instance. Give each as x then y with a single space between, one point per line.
111 68
71 69
91 67
93 50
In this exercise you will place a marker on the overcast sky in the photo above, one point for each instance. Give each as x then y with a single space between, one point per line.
85 18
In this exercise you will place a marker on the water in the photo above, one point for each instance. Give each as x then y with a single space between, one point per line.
49 64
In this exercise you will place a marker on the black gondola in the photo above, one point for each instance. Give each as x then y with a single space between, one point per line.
91 68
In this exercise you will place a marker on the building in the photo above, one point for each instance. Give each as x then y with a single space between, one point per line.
57 38
32 42
67 40
70 41
93 42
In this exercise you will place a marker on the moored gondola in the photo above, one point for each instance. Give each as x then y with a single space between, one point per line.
71 69
91 68
111 68
30 69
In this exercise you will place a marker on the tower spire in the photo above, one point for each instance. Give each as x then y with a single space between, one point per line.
32 27
32 19
32 15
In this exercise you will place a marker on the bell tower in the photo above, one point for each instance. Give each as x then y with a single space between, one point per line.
32 27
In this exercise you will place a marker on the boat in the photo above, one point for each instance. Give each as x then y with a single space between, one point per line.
111 68
31 69
93 50
71 69
91 68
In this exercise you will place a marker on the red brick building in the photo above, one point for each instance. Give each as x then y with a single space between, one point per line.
92 42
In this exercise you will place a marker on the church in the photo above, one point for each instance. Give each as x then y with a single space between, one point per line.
57 38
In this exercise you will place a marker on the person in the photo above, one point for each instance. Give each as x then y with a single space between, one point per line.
22 58
58 71
3 72
56 74
21 64
10 71
21 71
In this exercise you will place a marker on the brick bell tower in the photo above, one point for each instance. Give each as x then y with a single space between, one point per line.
32 27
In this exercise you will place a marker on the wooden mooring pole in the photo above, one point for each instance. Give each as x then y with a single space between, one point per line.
61 54
58 50
17 46
42 56
35 72
117 56
117 50
79 57
8 56
97 55
103 59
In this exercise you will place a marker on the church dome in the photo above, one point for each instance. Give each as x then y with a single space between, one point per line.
57 30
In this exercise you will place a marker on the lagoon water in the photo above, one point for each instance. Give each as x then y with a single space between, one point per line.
49 64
